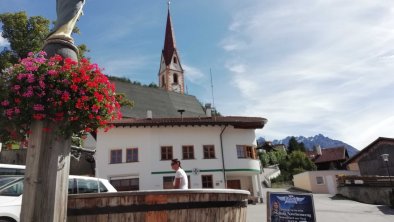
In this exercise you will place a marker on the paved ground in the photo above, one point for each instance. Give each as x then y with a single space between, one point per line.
332 209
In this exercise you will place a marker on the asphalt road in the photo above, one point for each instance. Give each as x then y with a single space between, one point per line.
331 209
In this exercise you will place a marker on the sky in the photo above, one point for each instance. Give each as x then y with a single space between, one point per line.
308 67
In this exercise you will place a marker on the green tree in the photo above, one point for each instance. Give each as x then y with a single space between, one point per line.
294 145
301 147
264 158
299 160
272 158
25 34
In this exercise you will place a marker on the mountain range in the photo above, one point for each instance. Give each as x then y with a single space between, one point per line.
311 142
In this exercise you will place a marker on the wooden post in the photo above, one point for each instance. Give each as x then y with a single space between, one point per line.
46 177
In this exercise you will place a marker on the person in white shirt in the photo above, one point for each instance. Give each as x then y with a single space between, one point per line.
180 181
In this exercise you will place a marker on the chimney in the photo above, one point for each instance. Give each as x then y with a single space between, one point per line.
149 114
318 150
208 110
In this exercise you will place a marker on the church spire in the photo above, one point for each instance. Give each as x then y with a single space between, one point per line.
169 40
171 76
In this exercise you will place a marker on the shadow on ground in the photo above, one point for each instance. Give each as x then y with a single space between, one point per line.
386 210
339 197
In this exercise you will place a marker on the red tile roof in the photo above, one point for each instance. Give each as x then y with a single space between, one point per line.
328 155
236 121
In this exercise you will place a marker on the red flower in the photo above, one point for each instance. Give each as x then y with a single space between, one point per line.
59 90
65 96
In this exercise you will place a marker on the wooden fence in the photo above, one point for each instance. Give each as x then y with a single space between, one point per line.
369 181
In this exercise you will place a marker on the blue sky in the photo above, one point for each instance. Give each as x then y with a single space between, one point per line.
309 67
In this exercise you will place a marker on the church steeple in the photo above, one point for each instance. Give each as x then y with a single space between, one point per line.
171 76
169 40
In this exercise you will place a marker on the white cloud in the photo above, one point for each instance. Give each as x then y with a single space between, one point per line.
314 67
192 74
3 41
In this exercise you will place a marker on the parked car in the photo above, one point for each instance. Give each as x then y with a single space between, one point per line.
7 179
12 169
11 193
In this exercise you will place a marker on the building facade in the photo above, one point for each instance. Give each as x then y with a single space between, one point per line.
215 152
369 160
324 181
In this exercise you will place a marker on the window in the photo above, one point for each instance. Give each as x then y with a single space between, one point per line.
166 153
6 170
163 82
319 180
116 156
209 151
126 184
241 151
168 182
175 78
207 181
14 191
249 151
245 152
175 60
187 152
132 155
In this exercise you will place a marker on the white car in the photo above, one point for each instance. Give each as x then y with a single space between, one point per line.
11 193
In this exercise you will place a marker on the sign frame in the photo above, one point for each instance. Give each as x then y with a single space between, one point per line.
290 207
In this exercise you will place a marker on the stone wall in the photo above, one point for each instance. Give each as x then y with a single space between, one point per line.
370 195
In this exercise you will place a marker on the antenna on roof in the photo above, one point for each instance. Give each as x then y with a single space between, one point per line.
213 99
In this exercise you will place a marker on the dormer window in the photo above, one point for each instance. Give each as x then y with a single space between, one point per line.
175 60
175 78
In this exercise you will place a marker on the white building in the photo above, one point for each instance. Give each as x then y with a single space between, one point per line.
167 123
136 154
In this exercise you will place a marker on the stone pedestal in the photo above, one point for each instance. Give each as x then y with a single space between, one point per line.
61 47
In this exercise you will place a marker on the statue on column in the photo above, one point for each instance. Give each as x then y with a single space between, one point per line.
59 40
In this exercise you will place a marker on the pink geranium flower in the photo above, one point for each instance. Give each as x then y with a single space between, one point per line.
75 94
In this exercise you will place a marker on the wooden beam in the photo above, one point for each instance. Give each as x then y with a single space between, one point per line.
46 176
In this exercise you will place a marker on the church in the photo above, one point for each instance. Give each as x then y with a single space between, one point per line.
166 123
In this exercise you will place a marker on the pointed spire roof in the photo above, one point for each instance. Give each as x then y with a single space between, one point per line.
169 41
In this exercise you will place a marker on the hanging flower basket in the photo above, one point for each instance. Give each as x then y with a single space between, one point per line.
77 96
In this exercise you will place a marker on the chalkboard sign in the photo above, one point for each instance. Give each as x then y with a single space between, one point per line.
290 207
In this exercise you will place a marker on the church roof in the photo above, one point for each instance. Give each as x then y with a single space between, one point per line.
236 121
169 41
162 103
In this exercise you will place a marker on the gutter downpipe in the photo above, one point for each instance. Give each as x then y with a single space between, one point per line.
221 146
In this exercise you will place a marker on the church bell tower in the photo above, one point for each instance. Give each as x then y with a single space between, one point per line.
171 74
